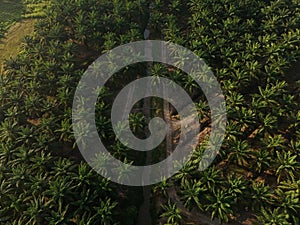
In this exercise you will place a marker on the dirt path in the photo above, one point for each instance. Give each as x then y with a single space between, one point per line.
10 45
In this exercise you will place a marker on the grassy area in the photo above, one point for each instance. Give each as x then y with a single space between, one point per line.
14 38
11 10
15 22
10 45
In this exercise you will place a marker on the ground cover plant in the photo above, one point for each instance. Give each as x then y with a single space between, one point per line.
251 46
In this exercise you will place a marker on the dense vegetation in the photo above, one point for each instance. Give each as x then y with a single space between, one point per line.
250 46
42 178
35 8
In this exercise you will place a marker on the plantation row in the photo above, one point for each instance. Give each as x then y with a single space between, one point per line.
42 178
249 45
3 29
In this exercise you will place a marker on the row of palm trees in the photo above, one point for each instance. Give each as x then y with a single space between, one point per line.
43 178
3 29
250 45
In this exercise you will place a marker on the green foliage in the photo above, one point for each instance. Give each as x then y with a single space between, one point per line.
35 8
43 177
172 213
192 190
250 46
11 11
220 205
273 217
3 29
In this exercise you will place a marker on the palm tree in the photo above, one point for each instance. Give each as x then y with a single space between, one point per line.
35 212
272 217
220 204
262 160
104 212
236 185
2 29
239 151
288 201
137 122
59 189
292 191
211 178
59 216
162 187
7 152
287 165
260 195
38 182
172 213
191 192
185 173
8 130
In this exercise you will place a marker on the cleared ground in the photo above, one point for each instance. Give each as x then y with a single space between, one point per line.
12 13
10 45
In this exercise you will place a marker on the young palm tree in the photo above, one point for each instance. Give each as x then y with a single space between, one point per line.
211 178
7 152
162 187
260 195
172 213
263 160
272 217
220 204
287 165
292 190
35 212
239 152
185 173
59 189
60 216
105 212
8 130
236 186
191 194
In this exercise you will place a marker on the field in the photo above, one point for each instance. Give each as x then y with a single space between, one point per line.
52 170
15 22
10 45
11 10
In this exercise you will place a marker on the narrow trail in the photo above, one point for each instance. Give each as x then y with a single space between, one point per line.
145 209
